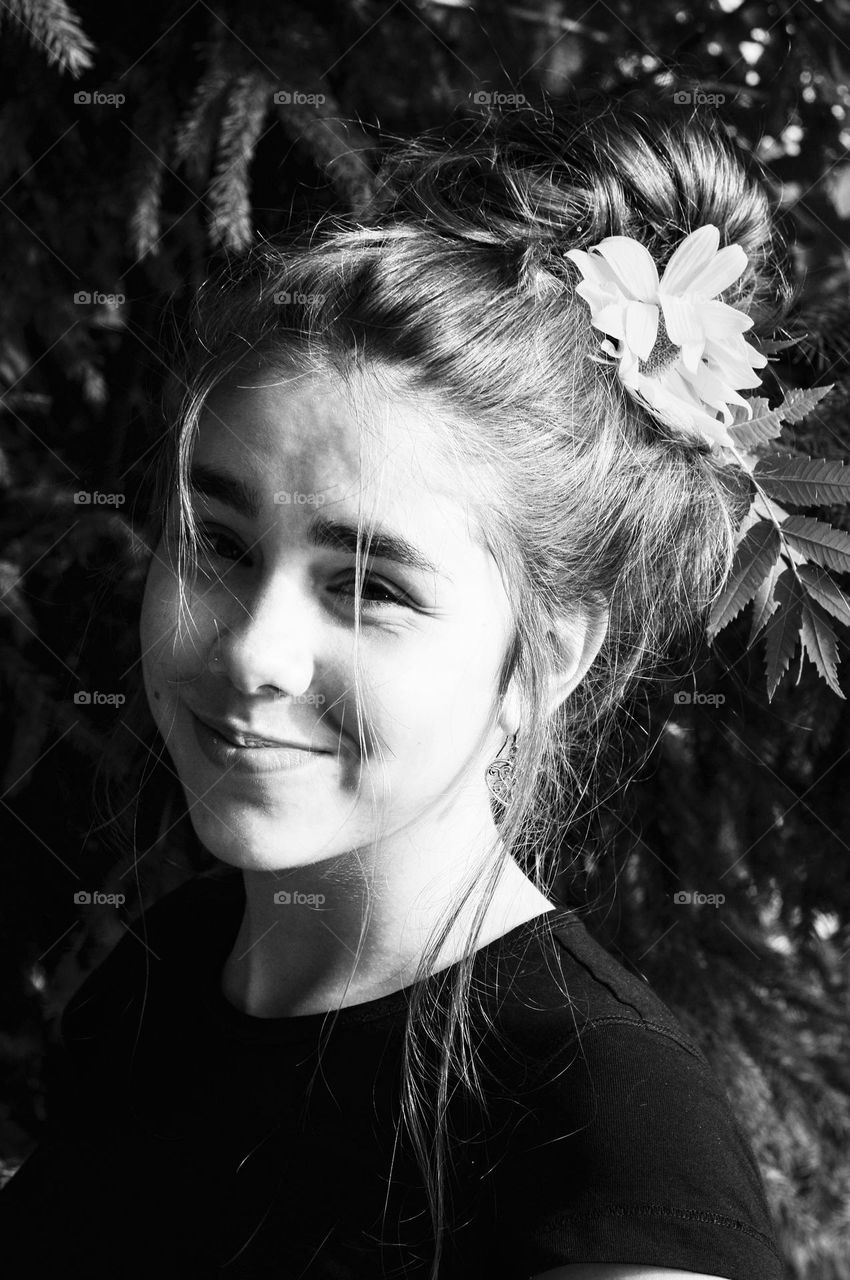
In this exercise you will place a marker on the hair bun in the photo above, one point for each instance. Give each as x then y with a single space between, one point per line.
536 183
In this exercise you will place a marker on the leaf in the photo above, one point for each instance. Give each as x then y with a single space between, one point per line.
145 222
818 541
766 423
337 145
799 402
769 346
757 551
764 602
819 643
826 592
13 602
783 630
151 125
53 27
803 482
229 197
196 133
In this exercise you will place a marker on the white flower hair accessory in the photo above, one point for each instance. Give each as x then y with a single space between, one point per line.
680 350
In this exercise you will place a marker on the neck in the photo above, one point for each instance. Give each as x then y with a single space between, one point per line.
305 955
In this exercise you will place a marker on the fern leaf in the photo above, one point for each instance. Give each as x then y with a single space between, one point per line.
766 423
13 602
55 28
797 403
825 591
818 541
195 135
820 644
145 220
782 631
764 602
151 135
803 482
337 146
229 198
757 551
769 346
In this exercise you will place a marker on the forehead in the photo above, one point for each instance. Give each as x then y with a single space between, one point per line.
342 447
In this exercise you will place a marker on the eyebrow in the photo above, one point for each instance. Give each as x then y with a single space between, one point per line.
338 535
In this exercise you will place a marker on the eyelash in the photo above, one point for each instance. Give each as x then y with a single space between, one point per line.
395 597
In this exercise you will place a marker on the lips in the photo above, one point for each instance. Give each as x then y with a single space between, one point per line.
240 737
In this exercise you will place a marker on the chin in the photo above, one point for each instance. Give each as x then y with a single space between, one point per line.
250 852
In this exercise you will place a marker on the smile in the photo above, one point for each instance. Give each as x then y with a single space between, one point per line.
249 756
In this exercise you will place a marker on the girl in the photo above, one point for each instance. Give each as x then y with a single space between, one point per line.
416 537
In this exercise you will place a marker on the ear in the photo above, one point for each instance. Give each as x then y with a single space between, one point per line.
579 637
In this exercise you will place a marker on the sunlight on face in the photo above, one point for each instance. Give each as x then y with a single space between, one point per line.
433 635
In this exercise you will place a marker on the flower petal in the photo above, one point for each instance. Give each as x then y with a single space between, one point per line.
612 319
641 327
713 389
692 354
633 266
597 296
672 400
729 263
734 361
693 416
682 320
720 320
693 254
593 268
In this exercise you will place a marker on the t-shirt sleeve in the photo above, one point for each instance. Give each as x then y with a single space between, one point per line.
628 1151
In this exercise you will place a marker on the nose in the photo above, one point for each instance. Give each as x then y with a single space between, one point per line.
265 648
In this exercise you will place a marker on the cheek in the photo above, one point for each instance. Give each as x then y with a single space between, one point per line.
441 689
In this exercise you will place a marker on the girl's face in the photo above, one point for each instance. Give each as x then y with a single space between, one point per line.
267 639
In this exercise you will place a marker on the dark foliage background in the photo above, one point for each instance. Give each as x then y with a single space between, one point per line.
139 146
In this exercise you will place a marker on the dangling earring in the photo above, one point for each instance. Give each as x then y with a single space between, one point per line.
499 775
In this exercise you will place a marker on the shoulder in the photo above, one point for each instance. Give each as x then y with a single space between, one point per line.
554 982
160 940
620 1141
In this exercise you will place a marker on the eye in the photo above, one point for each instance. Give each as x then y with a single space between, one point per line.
372 589
214 536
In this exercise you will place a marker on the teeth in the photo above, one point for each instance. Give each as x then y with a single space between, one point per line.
242 741
251 742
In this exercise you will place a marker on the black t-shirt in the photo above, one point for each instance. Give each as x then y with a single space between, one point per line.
189 1139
